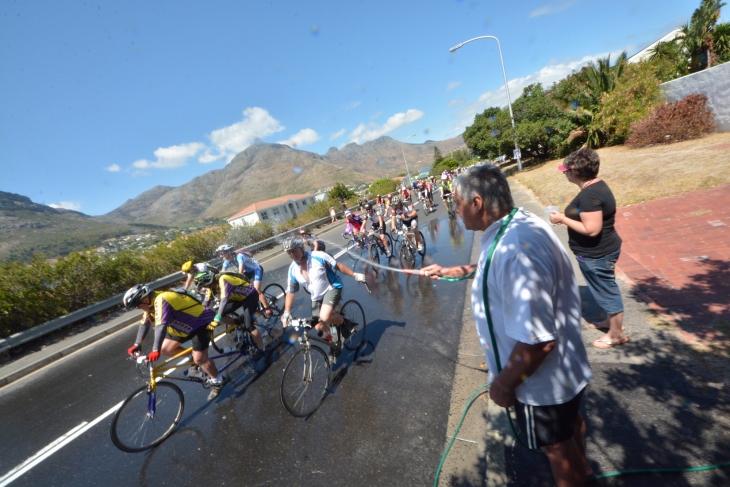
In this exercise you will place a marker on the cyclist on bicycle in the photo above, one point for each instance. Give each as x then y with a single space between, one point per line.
316 271
423 193
234 292
311 240
353 223
246 265
191 270
408 216
446 187
177 318
377 224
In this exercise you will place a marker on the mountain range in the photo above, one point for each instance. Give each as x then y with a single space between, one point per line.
265 171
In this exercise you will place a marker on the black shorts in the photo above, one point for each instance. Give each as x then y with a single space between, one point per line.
331 297
200 339
542 426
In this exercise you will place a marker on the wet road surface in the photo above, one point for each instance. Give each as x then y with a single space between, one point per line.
383 422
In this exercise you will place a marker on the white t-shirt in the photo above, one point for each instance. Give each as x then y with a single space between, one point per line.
322 277
533 298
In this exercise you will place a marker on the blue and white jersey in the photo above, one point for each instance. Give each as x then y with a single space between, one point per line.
249 263
322 277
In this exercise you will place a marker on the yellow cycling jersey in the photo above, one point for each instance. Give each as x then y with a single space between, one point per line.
182 314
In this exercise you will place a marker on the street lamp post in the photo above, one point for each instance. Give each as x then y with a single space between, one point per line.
506 87
408 173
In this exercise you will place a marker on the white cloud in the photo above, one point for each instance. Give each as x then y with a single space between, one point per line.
256 124
113 168
171 157
371 131
498 98
376 115
337 134
452 85
353 104
67 205
455 103
301 138
552 8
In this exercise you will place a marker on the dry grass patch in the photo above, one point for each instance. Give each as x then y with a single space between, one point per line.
639 175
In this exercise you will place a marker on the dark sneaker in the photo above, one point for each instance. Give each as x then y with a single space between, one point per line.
194 371
216 388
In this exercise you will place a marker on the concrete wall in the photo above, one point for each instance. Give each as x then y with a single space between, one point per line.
714 83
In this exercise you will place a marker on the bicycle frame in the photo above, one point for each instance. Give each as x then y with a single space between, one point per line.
161 370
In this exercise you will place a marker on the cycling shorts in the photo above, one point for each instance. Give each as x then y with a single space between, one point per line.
412 223
257 274
200 339
331 298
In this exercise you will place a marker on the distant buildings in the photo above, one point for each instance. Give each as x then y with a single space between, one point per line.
273 210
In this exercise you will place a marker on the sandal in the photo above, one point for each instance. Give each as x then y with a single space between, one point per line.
606 342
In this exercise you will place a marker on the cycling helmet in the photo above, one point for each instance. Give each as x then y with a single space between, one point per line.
348 213
224 248
395 200
293 242
366 206
134 295
205 279
187 266
302 231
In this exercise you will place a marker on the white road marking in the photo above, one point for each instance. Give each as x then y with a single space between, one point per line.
52 448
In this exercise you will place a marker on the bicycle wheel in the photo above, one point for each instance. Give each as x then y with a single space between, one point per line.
406 257
353 312
274 294
353 249
145 419
423 243
305 381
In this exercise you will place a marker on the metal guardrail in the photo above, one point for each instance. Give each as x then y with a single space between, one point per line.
83 313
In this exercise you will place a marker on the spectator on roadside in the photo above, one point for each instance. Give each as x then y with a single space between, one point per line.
333 214
590 219
528 320
343 201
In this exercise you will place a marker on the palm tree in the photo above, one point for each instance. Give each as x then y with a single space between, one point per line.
602 76
721 41
696 36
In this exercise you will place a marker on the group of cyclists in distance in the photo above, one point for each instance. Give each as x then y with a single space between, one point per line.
186 314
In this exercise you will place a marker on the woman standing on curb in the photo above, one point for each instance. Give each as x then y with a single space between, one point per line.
590 219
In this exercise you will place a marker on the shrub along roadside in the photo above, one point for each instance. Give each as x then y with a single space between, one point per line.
688 118
37 292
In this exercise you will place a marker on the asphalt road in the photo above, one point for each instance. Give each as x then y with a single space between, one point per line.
383 423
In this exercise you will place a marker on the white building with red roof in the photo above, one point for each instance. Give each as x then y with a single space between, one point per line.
273 210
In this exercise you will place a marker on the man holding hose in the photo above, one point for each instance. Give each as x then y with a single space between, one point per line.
530 326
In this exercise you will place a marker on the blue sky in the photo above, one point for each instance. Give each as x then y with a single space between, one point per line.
100 101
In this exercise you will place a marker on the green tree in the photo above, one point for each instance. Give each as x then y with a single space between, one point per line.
721 42
573 92
541 125
383 186
490 135
697 35
633 99
340 191
603 77
437 156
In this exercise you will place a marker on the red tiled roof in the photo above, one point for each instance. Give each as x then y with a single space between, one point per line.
262 205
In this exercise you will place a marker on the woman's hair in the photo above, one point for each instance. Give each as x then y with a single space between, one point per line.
584 163
489 183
